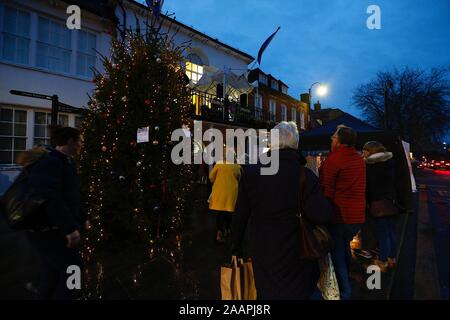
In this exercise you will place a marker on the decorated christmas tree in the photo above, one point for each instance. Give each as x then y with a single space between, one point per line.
134 192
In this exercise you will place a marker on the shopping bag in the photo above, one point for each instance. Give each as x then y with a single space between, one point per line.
230 281
248 279
328 284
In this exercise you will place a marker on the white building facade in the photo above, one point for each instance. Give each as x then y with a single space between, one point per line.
39 54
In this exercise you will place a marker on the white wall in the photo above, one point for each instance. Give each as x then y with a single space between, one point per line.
70 88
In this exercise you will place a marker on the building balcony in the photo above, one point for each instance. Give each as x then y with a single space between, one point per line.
209 107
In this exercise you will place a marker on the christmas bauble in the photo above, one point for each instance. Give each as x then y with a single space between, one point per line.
155 142
158 60
124 99
122 178
104 148
156 128
147 102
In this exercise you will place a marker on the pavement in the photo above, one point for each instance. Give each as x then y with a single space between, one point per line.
187 266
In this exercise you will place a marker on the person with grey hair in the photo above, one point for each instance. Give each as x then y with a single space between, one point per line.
267 206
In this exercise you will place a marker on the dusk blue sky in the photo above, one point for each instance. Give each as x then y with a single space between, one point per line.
326 40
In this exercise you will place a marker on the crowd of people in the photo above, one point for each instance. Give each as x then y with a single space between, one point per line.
353 195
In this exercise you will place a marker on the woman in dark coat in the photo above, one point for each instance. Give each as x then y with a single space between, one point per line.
380 185
268 204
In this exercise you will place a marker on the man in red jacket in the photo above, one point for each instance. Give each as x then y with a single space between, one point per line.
343 179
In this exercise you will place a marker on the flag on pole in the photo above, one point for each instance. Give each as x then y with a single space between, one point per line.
266 44
155 6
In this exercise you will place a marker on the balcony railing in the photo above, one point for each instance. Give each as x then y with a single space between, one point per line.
209 107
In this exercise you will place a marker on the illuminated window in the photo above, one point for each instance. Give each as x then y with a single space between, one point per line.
194 67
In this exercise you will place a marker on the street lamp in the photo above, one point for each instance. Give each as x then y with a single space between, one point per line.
321 90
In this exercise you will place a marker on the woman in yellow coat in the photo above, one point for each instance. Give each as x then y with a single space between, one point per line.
225 180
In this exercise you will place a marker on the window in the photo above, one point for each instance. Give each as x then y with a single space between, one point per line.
284 89
41 122
302 120
194 71
13 134
15 35
258 101
78 121
272 110
283 113
53 48
258 106
275 85
263 79
86 56
194 67
294 115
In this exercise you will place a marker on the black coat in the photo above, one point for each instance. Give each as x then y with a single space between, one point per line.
57 180
269 205
380 177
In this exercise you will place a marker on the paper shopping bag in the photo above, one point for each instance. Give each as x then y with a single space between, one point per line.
248 280
230 281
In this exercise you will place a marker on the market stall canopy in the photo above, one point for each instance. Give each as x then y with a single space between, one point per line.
236 84
346 119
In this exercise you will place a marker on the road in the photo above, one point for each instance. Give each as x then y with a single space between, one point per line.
424 262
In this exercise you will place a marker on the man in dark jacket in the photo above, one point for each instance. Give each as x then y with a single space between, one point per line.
58 237
343 179
268 204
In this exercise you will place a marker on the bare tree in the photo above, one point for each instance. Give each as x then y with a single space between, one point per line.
418 104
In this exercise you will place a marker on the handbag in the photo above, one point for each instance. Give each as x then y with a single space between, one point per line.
248 279
315 240
328 284
230 281
383 208
22 204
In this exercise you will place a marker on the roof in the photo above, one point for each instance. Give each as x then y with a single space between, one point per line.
346 119
105 9
191 29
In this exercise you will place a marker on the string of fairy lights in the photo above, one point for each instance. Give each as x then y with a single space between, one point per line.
133 189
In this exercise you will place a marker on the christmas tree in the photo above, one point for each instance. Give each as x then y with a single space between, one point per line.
134 191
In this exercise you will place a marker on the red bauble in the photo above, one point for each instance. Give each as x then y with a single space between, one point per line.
167 109
147 102
133 144
152 186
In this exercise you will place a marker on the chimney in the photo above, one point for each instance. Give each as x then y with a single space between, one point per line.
304 97
317 106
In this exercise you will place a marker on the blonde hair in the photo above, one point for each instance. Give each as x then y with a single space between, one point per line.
373 147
